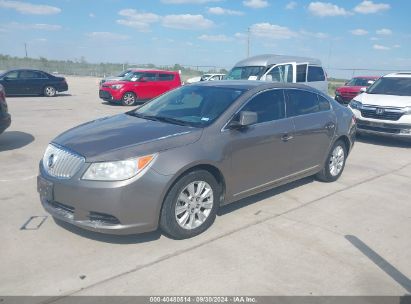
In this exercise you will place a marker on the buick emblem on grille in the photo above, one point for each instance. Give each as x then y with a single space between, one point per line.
51 161
379 111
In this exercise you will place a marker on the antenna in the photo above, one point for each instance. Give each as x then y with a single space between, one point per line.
248 42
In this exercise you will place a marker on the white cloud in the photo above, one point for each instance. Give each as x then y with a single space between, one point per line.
380 47
187 22
369 7
318 35
256 3
29 8
325 9
188 1
223 11
384 31
91 15
138 20
359 32
107 36
35 26
291 5
272 31
215 38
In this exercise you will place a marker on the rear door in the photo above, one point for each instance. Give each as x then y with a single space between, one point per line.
147 87
259 153
165 82
314 124
34 81
316 78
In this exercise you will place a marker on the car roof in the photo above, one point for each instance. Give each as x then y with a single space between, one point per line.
24 69
156 71
253 84
399 74
269 59
367 77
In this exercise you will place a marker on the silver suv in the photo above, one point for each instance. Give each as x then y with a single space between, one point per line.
175 160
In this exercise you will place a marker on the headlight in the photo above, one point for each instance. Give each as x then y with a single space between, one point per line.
407 110
116 86
337 93
118 170
354 104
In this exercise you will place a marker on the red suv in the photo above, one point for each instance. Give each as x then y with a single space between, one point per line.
139 86
353 87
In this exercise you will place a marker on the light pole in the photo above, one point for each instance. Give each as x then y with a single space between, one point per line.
248 42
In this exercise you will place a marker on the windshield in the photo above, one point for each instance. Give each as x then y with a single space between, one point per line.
124 73
197 106
360 82
239 73
400 86
133 76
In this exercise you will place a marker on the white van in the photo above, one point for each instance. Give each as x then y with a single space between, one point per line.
281 68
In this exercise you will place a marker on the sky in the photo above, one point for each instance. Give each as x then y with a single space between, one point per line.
343 34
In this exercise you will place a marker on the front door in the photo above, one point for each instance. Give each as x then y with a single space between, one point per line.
259 153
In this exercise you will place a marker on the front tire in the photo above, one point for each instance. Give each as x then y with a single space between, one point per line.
129 99
191 205
335 163
49 91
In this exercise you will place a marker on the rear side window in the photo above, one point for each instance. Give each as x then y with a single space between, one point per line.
315 74
166 77
150 76
268 105
300 102
301 72
12 75
323 103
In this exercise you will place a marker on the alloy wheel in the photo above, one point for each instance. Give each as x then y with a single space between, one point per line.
337 161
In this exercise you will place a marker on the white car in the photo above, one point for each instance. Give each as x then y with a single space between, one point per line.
385 107
206 77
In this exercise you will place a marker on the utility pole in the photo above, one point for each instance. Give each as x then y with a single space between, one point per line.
25 48
248 42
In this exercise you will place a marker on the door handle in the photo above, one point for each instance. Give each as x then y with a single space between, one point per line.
330 126
286 137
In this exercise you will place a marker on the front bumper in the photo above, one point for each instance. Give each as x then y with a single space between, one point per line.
5 122
108 96
384 128
125 207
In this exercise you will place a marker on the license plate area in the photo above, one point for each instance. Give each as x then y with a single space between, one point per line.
45 189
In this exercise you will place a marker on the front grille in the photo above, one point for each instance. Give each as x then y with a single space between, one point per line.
103 219
104 94
379 129
62 209
387 114
61 163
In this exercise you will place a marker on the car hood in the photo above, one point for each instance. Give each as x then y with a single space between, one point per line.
112 82
353 89
112 78
123 136
384 100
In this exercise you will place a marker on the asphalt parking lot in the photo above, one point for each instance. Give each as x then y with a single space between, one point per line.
351 237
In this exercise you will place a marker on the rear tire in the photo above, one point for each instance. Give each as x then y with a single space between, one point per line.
335 163
191 205
129 99
49 91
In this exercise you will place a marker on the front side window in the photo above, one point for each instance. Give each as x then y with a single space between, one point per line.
197 106
244 73
133 76
300 102
12 75
282 73
315 74
400 86
268 105
301 72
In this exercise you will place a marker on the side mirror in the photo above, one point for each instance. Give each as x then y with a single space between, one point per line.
363 90
143 79
246 118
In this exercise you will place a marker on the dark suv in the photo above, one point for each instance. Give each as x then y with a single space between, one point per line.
5 119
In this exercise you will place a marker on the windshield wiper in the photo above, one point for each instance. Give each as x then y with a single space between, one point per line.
160 118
